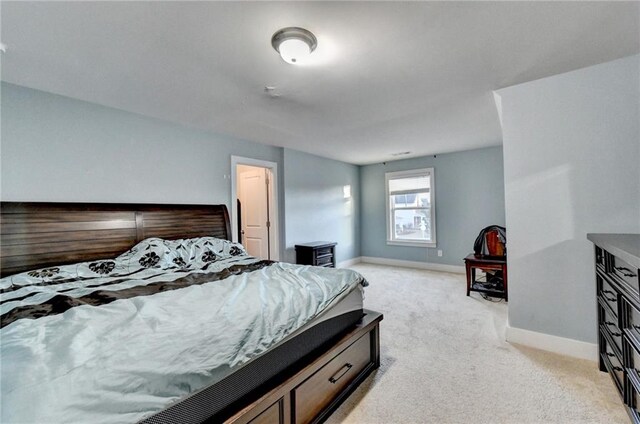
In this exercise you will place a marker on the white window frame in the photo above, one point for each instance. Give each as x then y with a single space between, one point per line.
432 194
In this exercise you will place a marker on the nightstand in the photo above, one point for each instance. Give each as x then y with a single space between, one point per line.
317 253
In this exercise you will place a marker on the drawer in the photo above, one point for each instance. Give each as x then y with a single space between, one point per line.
634 361
322 387
323 251
632 322
323 260
633 392
600 257
625 274
634 400
614 339
614 334
613 364
272 415
608 294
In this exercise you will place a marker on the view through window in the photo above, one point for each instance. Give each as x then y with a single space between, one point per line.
410 207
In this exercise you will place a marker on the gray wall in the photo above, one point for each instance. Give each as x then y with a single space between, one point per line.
469 190
571 155
55 148
315 206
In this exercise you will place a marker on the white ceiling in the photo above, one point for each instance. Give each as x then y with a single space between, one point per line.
385 78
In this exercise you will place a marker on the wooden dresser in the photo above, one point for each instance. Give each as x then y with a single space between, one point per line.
617 259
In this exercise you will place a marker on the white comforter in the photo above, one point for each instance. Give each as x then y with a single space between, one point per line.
124 360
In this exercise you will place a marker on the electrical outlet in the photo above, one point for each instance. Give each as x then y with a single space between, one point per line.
440 253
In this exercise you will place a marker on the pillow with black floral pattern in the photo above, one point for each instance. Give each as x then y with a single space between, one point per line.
149 253
200 251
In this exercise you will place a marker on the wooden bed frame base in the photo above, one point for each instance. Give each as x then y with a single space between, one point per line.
312 394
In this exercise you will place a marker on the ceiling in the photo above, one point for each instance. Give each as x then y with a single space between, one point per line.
385 78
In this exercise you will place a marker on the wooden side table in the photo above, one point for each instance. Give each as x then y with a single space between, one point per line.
473 262
317 253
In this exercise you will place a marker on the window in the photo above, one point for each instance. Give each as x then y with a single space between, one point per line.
411 216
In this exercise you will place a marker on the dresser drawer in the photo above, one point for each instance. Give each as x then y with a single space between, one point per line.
608 294
610 325
633 398
635 405
323 386
624 273
631 323
272 415
613 363
633 381
634 360
600 258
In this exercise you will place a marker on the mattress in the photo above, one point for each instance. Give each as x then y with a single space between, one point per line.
353 301
219 401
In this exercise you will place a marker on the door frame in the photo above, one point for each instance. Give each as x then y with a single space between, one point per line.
274 229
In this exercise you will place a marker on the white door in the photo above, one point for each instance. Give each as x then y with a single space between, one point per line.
253 193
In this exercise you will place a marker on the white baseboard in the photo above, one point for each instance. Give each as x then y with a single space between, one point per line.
349 262
414 264
548 342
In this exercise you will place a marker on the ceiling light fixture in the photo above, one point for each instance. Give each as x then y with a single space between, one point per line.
294 44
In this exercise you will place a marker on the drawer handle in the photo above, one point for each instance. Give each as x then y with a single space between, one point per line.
617 368
333 379
610 300
625 271
610 355
610 323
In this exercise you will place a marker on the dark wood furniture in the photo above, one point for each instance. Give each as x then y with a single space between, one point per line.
617 270
317 253
36 235
484 263
314 392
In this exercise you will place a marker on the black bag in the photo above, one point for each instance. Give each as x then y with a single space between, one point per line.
479 246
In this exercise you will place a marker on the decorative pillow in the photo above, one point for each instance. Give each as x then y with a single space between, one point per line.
197 252
151 253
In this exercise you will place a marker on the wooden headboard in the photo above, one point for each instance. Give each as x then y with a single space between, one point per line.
35 235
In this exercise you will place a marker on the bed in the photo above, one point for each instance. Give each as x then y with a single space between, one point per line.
156 244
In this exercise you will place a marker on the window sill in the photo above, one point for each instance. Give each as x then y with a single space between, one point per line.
410 243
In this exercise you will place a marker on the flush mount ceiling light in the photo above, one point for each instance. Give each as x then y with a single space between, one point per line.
294 44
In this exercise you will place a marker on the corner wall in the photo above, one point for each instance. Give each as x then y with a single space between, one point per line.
315 205
571 167
469 191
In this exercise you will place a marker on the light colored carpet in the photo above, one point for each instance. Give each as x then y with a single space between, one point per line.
444 360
